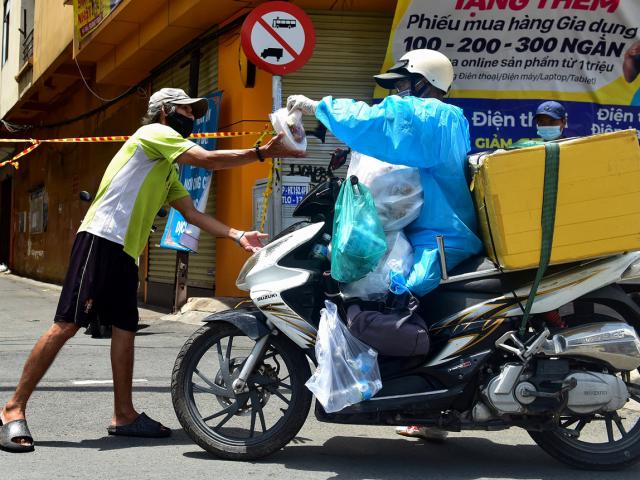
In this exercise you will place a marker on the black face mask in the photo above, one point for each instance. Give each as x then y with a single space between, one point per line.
181 124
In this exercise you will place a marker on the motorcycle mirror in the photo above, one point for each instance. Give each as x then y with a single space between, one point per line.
338 158
85 196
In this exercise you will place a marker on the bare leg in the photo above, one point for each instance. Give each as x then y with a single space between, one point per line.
40 359
122 366
122 342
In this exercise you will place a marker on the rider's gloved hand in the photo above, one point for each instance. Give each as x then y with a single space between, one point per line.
302 103
397 283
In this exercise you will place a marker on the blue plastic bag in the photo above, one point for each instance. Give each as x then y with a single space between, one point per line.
358 241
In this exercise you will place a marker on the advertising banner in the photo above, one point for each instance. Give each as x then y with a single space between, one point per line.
178 234
88 14
510 55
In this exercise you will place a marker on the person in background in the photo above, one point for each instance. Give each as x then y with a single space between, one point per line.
551 120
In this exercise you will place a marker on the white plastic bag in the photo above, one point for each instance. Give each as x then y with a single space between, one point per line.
291 124
375 285
396 189
347 371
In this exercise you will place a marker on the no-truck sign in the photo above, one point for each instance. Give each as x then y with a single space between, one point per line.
278 37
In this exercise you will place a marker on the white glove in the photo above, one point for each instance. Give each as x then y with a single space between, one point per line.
302 103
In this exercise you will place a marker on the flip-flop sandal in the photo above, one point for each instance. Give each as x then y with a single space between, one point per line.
11 431
142 426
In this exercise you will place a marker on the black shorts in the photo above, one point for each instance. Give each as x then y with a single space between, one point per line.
101 281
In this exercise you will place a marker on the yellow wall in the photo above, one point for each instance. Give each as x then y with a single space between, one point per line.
52 33
234 186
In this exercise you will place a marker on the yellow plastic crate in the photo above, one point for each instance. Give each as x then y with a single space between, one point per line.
598 208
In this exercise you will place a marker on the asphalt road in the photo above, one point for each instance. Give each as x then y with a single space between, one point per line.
68 420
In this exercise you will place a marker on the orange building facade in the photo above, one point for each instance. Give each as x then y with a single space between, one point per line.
99 85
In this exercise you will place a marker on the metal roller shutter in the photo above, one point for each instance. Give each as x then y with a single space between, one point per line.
208 79
162 262
202 266
350 49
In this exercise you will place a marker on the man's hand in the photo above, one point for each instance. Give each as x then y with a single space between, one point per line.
250 241
302 103
275 148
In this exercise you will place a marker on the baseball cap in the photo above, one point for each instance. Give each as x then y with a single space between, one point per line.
177 96
552 109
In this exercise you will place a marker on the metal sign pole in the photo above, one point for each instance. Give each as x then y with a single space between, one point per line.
276 194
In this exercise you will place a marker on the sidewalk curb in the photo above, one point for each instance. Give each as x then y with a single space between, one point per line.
198 308
193 312
44 286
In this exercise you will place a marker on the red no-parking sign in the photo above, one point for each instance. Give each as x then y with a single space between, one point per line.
278 37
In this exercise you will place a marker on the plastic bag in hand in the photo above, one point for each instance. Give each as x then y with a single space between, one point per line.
396 189
358 241
347 371
375 285
291 124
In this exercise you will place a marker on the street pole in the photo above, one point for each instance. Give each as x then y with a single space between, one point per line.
276 194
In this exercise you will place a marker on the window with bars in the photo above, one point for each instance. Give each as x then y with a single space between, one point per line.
6 15
26 32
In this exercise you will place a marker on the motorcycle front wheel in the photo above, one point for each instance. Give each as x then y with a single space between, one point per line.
247 425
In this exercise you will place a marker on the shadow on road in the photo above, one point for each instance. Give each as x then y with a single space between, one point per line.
111 442
458 457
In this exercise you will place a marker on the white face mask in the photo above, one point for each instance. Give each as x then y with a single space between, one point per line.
403 88
551 132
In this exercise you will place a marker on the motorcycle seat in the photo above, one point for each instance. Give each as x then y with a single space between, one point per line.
493 280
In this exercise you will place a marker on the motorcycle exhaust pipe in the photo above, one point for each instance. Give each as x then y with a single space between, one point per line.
614 343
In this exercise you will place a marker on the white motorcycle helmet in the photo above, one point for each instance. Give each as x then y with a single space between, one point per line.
434 66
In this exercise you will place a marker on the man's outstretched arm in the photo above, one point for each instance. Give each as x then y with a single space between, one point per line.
221 159
250 241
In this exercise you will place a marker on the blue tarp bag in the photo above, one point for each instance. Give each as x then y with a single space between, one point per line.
358 241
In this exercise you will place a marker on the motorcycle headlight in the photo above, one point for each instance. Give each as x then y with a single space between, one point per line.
241 281
265 257
273 252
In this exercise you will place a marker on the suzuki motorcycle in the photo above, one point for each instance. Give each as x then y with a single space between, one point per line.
571 381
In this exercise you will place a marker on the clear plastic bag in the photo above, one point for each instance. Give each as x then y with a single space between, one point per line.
375 285
396 189
358 241
291 124
347 371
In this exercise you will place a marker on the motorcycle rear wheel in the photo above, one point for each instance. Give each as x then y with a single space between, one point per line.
621 448
201 383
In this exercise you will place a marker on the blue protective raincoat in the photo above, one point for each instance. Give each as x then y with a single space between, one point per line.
434 137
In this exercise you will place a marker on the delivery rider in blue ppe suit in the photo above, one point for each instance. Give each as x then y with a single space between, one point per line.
416 128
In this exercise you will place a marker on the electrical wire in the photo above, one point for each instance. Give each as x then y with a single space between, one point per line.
168 63
86 84
14 127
